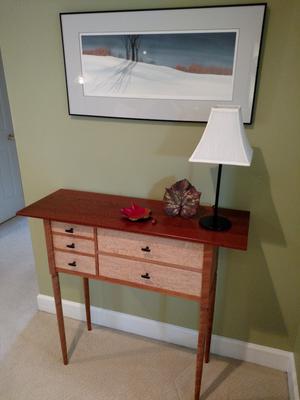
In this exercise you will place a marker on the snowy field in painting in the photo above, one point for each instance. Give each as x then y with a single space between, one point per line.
112 76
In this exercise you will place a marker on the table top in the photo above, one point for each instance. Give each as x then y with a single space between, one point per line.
103 210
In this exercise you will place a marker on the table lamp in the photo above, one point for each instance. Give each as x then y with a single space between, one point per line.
223 142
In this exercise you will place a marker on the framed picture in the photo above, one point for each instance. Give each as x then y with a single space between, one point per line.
166 64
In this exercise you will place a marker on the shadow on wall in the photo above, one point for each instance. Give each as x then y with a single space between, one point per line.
246 299
246 290
157 191
249 188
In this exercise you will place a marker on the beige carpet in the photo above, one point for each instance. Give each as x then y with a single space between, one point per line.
110 365
18 285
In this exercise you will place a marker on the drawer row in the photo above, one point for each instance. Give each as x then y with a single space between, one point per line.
83 239
133 271
141 260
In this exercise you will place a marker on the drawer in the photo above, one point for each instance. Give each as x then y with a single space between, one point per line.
85 264
74 244
171 251
162 277
72 229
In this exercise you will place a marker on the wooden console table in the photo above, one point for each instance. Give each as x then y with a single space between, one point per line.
87 236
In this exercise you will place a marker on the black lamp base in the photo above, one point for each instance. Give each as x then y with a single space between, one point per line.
215 223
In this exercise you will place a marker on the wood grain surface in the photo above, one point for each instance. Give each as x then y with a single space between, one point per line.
103 210
151 248
162 277
81 263
73 244
76 230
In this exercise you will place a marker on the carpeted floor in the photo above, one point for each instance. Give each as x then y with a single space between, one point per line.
110 365
18 285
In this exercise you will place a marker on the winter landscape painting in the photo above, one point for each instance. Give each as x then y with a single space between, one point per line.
169 64
189 66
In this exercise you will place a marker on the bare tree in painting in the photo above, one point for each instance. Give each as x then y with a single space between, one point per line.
132 44
121 76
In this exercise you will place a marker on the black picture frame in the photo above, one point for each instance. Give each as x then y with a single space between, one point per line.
228 38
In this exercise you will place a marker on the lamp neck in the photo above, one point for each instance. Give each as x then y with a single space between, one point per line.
215 222
217 191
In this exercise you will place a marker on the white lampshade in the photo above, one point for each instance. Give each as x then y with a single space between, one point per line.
224 140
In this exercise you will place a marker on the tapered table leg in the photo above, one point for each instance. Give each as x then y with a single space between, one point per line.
210 320
60 317
200 350
87 303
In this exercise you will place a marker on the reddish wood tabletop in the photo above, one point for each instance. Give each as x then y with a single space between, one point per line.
103 210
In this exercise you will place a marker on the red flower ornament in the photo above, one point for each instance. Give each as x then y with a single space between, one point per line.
135 212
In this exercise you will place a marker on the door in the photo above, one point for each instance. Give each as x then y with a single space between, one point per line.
11 193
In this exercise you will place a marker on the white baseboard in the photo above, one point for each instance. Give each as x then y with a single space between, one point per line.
262 355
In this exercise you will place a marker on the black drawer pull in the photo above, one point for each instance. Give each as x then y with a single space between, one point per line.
71 230
145 276
71 246
72 264
147 249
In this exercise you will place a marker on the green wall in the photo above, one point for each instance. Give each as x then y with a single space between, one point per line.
258 292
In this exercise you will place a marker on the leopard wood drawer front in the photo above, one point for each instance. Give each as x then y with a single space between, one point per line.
72 229
157 249
74 244
75 262
151 275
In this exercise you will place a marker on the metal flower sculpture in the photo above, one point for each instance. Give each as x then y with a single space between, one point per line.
181 199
